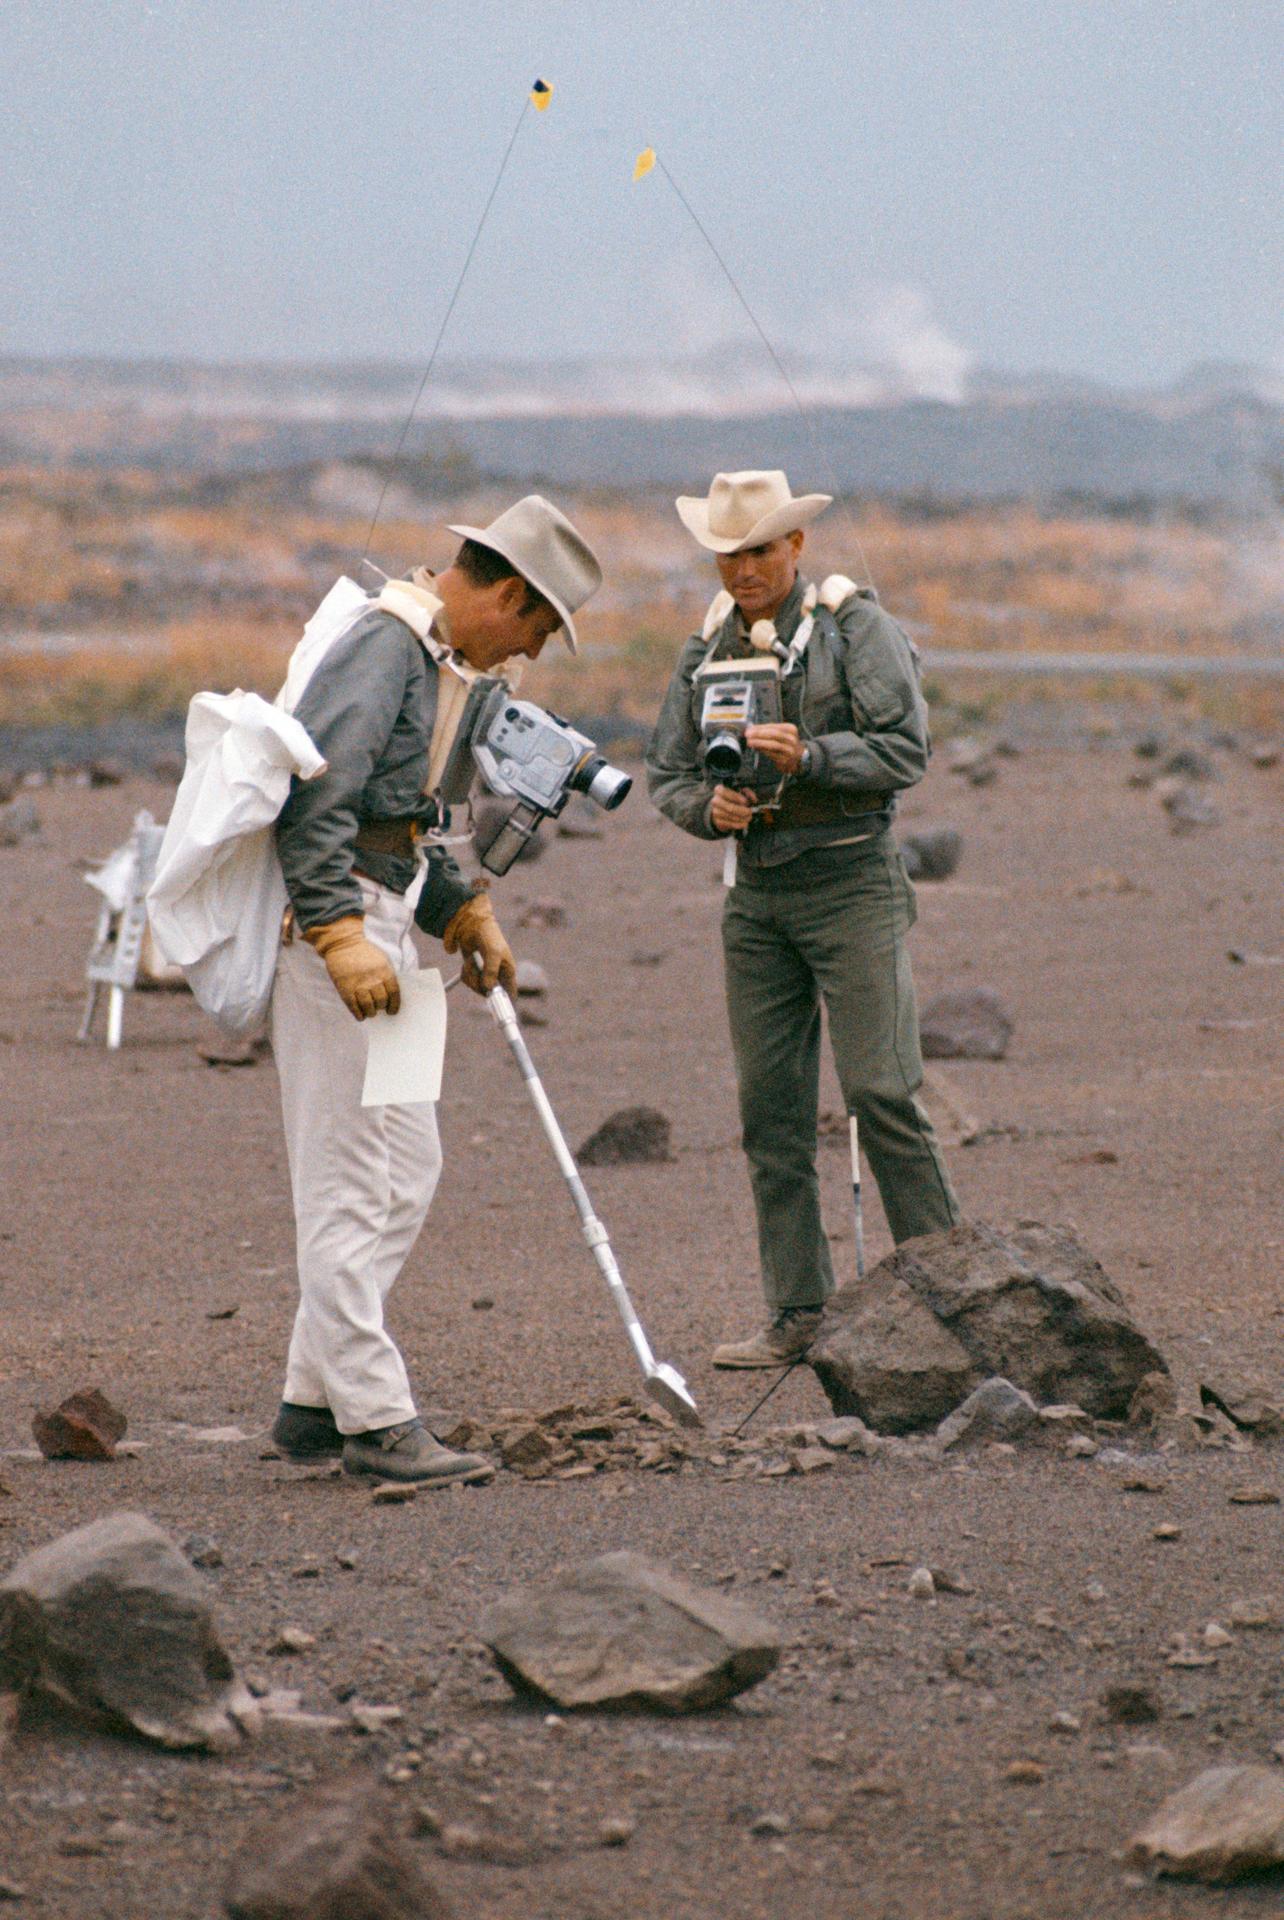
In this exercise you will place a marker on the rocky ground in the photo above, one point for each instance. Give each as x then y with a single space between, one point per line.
979 1751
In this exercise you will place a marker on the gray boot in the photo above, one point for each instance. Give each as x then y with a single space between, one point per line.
409 1452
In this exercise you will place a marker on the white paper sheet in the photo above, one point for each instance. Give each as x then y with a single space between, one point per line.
408 1048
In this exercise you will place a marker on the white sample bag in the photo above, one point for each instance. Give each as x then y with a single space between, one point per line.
218 898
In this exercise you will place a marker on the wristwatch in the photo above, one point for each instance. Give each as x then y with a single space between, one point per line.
806 764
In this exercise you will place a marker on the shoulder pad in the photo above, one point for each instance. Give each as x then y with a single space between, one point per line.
835 590
719 607
412 604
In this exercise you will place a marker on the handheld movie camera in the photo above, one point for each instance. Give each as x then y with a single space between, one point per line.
736 695
533 758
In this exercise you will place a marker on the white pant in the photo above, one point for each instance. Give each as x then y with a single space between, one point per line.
362 1177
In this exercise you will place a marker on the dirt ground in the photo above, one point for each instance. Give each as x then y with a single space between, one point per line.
145 1195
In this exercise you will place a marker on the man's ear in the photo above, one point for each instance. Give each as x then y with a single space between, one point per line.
510 595
797 541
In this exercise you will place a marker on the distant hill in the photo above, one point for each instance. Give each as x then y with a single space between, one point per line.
1215 439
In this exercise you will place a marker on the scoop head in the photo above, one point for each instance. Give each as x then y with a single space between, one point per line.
670 1391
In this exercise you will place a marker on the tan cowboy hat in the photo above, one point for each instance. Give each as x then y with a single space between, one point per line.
547 551
747 510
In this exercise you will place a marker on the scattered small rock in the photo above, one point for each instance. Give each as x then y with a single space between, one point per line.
996 1410
548 913
1187 809
372 1719
1215 1635
532 981
1188 763
971 1023
1025 1773
1251 1614
770 1823
1225 1824
624 1632
1065 1723
202 1551
1254 1497
292 1640
921 1585
332 1852
1167 1530
616 1830
1264 757
932 853
111 1622
85 1426
19 821
1131 1703
635 1136
107 773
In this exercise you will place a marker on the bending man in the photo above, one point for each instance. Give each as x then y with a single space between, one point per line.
380 706
821 903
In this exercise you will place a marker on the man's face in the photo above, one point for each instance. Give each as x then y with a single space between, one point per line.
759 578
491 624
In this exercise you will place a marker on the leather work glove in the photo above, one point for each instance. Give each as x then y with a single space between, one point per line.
473 929
363 975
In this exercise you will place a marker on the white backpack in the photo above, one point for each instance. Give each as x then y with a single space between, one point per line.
219 894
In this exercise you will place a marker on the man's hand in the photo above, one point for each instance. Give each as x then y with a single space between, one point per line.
781 743
473 929
364 977
731 808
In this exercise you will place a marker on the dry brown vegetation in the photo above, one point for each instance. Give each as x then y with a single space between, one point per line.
126 592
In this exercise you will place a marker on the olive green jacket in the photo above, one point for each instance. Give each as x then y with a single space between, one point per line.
856 699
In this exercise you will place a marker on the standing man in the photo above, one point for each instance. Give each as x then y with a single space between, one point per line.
382 706
820 903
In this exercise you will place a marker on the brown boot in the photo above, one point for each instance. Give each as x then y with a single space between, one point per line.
784 1340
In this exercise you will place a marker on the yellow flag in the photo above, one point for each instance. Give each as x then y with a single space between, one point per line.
541 94
644 163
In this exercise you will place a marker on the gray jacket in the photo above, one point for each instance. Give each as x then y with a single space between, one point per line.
370 707
857 702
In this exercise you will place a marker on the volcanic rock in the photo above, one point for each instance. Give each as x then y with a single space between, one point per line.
1188 763
623 1633
943 1312
932 853
996 1410
531 979
111 1622
19 821
1245 1401
85 1426
333 1856
972 1024
1226 1823
107 773
881 1353
635 1136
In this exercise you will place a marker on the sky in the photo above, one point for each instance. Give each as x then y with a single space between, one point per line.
1088 187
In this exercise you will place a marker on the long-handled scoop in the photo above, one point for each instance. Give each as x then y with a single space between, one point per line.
664 1383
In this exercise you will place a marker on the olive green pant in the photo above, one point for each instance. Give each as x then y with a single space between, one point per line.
829 926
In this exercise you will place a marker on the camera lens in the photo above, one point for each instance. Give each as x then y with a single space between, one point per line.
604 784
725 755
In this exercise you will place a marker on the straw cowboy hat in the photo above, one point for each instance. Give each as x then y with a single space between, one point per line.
747 510
547 551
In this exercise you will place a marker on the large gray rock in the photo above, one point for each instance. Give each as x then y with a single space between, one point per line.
111 1622
624 1633
881 1354
332 1855
971 1024
943 1312
1224 1824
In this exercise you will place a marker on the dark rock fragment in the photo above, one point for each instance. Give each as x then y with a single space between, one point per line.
971 1024
635 1136
334 1854
933 853
86 1426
